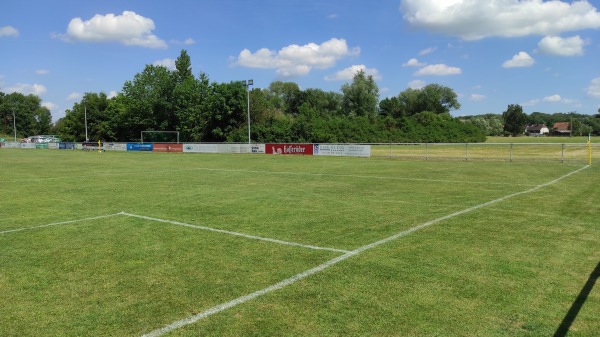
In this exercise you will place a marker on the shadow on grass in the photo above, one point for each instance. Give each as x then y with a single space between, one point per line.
566 323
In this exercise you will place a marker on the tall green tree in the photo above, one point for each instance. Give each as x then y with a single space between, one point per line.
30 117
514 119
433 98
361 97
149 101
183 67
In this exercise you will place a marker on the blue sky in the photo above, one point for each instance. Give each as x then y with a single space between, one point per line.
540 54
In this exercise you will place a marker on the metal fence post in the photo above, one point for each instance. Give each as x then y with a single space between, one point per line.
511 149
426 151
466 151
562 158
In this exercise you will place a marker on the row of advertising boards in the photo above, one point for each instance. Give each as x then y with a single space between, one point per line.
348 150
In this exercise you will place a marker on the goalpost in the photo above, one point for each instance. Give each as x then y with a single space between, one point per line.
161 136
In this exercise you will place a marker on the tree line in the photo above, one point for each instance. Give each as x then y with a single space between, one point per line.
159 99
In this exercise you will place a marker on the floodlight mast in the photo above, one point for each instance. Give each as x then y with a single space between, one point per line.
247 84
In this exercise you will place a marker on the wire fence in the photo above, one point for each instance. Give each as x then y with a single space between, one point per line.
523 152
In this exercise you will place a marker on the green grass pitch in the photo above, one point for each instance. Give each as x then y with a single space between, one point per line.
125 244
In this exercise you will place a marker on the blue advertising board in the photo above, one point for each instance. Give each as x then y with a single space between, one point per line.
66 146
139 147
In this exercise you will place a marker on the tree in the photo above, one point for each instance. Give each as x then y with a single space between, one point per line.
183 67
31 118
514 119
433 97
361 97
149 101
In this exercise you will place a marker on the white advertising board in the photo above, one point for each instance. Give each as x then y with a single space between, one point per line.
28 145
53 146
200 148
11 145
342 150
115 146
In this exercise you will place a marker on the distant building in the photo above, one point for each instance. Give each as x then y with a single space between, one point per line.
562 129
536 129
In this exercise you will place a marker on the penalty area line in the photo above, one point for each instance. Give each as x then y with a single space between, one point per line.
59 223
240 300
247 236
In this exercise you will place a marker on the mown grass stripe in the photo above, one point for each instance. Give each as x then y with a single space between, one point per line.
240 300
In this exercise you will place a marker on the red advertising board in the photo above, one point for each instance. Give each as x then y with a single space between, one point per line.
297 149
168 148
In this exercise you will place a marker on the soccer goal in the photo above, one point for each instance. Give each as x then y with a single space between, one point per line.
160 137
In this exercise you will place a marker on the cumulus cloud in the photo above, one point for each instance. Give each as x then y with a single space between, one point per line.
417 84
555 45
553 98
74 96
50 106
438 70
593 89
522 59
129 29
427 51
477 97
9 31
112 94
476 19
42 72
348 73
297 60
414 63
186 42
168 63
26 89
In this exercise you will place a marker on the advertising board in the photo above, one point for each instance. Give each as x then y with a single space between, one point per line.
115 147
342 150
294 149
66 146
159 147
53 146
28 145
200 148
139 147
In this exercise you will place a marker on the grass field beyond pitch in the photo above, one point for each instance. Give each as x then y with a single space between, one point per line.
122 244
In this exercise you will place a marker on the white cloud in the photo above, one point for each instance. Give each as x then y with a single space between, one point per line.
186 42
593 89
476 19
553 98
50 106
9 31
414 63
297 60
42 72
168 63
129 29
477 97
438 70
26 89
555 45
427 51
522 59
417 84
74 96
531 102
348 73
112 94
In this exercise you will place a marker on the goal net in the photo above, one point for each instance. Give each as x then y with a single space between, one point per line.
160 137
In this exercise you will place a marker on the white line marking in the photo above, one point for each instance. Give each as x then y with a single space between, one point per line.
59 223
216 309
287 243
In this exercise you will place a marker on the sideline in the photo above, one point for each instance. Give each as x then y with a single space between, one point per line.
240 300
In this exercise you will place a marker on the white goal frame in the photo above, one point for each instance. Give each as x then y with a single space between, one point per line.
176 132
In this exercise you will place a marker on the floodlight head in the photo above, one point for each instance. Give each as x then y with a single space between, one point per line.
244 82
250 82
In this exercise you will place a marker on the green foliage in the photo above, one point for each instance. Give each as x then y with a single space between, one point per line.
433 97
361 97
30 117
514 119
